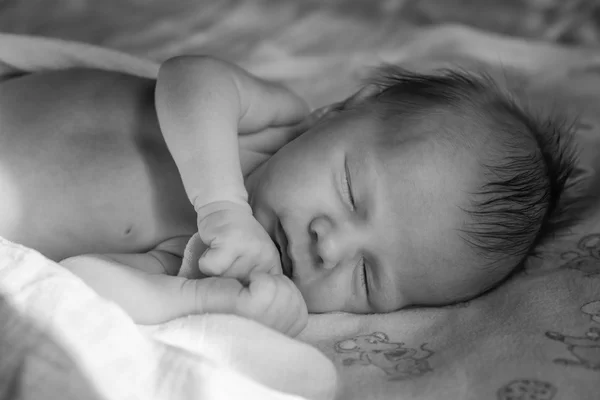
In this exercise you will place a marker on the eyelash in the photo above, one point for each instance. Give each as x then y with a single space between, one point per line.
363 275
348 189
348 192
339 106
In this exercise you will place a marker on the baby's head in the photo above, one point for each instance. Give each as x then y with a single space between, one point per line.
417 190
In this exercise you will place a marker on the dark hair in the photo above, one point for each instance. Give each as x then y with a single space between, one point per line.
525 161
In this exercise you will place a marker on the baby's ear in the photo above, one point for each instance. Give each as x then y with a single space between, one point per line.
363 94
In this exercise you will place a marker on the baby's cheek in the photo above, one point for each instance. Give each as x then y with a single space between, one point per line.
321 297
470 282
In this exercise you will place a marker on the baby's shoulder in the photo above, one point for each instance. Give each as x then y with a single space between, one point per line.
256 148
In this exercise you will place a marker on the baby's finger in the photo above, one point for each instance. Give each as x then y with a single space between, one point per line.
241 268
259 294
282 308
269 261
216 261
287 309
298 311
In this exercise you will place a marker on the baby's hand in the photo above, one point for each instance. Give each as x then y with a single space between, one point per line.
274 301
237 244
269 299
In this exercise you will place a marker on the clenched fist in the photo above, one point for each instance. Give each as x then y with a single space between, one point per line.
269 299
237 243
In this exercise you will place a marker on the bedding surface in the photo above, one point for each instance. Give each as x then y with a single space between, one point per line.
160 28
537 336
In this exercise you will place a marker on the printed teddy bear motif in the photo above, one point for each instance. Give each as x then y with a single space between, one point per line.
526 389
585 349
397 361
593 310
587 258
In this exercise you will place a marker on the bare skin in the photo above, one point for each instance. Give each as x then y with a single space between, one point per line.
88 179
81 152
93 143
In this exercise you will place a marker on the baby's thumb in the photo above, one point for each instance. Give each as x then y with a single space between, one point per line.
192 253
215 261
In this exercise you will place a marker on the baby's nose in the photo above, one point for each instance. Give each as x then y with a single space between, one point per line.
333 244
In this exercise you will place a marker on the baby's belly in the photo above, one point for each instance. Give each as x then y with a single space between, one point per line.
84 168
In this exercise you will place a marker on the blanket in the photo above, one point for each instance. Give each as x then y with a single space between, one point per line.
59 340
535 337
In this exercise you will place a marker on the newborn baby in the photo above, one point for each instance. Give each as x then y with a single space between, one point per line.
418 190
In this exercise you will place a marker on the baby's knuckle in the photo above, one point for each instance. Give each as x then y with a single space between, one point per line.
206 267
269 261
261 283
203 226
216 262
245 304
208 270
263 292
269 251
229 236
253 247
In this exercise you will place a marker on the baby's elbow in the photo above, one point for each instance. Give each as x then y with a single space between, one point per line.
173 64
181 66
182 79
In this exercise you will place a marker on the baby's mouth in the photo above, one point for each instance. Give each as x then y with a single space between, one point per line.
281 243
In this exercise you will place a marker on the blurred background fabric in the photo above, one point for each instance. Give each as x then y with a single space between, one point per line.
159 29
320 48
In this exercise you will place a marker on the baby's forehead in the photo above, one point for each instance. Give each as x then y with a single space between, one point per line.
406 144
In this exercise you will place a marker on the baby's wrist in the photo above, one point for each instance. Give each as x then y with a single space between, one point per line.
222 205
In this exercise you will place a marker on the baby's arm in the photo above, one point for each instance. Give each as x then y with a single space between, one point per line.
202 105
137 283
198 107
